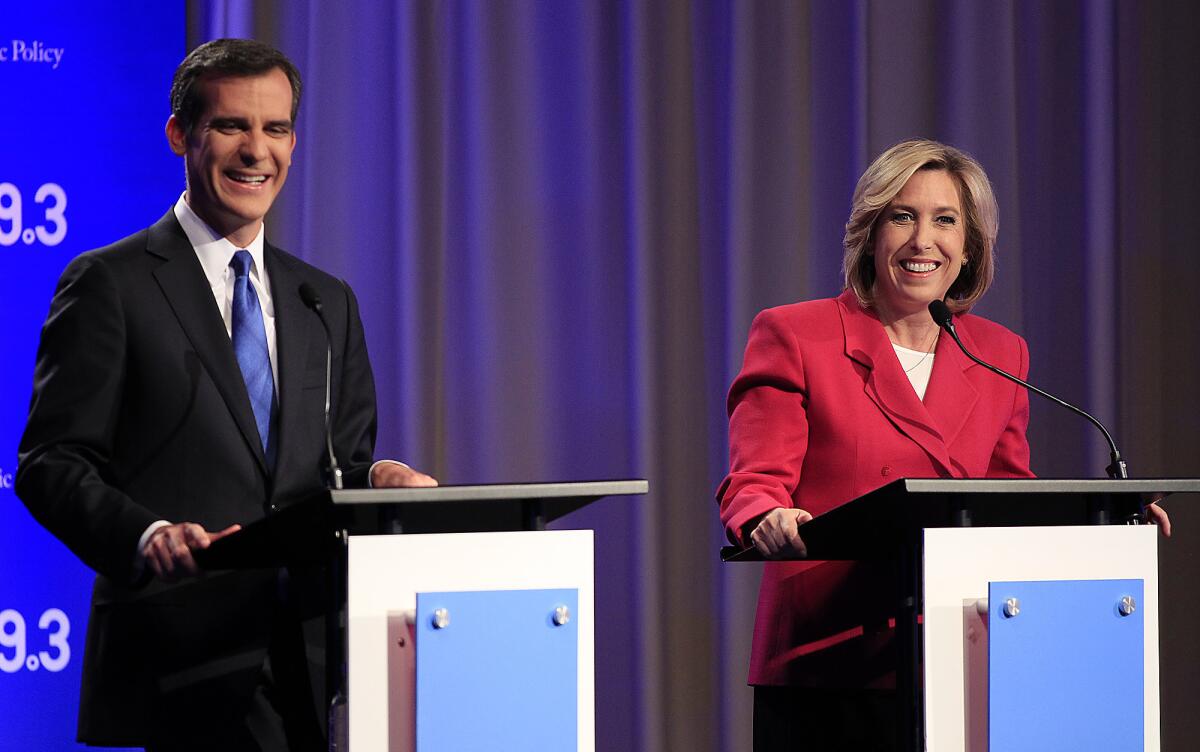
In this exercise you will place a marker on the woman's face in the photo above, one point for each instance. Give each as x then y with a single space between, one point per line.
918 244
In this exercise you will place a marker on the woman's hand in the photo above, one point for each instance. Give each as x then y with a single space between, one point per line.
1156 515
777 535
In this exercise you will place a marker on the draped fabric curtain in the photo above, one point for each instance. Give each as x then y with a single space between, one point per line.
560 216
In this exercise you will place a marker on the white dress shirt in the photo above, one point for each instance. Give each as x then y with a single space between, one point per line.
215 253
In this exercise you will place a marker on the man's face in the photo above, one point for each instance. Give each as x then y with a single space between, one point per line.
238 152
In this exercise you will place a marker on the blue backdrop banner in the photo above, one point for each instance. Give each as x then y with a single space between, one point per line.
83 161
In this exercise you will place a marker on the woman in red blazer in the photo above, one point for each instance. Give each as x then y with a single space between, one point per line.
838 397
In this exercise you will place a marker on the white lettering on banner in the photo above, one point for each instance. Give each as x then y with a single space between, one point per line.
6 480
56 627
37 51
50 231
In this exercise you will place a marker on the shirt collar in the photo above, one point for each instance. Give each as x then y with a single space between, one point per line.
214 251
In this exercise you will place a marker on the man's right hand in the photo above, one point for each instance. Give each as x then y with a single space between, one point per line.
777 535
168 553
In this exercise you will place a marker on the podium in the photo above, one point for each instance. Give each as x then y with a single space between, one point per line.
466 624
1039 605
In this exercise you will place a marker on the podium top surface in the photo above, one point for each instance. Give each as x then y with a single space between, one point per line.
1047 485
873 525
491 492
302 532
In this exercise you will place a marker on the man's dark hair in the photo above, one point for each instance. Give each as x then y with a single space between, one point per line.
225 57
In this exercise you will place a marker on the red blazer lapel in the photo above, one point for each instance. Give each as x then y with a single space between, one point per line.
887 385
951 397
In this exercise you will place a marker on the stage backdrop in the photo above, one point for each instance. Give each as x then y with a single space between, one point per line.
83 161
560 217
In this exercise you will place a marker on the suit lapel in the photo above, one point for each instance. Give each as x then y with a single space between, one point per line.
951 397
292 343
182 281
888 386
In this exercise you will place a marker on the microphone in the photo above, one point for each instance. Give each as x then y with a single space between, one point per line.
313 301
943 318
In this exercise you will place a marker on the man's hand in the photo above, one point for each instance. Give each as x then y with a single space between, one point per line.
168 553
777 535
392 474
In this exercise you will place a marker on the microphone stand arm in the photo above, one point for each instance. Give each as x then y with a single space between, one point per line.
1117 469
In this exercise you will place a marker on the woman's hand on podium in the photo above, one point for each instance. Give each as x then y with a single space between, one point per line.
1156 515
777 535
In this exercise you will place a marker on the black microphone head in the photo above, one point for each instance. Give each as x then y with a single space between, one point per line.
940 313
310 296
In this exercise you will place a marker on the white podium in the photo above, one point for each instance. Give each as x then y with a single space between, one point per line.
1026 611
465 625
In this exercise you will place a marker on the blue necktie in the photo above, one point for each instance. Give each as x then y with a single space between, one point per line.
250 347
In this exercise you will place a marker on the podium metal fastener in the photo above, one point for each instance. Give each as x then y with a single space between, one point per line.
562 615
1012 607
441 618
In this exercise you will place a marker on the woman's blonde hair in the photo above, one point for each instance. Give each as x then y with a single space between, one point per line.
885 178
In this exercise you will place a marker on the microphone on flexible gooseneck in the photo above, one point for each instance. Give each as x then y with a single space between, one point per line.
943 318
313 301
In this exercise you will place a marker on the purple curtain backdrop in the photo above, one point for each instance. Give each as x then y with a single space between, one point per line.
560 217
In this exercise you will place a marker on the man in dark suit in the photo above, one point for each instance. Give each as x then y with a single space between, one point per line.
179 394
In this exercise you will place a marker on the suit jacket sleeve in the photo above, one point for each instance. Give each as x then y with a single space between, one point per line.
62 473
768 426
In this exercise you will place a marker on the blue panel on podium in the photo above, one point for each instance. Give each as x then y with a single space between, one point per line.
1066 671
500 673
